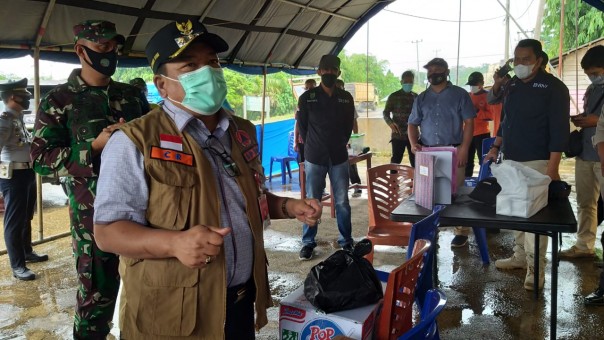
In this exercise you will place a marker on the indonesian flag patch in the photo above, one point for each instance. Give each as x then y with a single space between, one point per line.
170 142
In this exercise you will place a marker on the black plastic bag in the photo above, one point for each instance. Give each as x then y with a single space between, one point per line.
575 144
345 280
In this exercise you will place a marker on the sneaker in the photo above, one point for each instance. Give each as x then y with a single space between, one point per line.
357 193
306 253
576 253
595 299
459 241
529 280
511 263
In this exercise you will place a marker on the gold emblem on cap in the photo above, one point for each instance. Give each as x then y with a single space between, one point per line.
186 30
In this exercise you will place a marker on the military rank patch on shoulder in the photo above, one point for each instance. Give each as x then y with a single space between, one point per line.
171 156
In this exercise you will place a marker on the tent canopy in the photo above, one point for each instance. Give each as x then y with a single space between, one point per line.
287 35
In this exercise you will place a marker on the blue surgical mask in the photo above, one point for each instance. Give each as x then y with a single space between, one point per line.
205 90
407 87
597 80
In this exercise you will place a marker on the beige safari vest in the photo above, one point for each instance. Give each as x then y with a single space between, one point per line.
163 299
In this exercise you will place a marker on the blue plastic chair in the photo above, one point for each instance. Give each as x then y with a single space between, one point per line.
484 172
425 229
480 233
292 156
427 328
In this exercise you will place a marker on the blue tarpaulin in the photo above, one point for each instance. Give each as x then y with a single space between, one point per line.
275 143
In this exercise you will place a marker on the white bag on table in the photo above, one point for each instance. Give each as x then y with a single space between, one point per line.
523 190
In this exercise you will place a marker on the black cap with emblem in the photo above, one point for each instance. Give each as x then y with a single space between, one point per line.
15 87
175 37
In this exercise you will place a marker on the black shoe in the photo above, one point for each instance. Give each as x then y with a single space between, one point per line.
357 193
459 241
22 273
306 253
33 257
595 299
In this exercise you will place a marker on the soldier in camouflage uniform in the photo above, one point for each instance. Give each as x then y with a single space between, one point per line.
74 122
399 104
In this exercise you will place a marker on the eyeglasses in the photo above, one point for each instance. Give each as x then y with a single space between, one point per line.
214 145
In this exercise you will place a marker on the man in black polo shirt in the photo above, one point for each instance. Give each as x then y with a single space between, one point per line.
325 121
534 131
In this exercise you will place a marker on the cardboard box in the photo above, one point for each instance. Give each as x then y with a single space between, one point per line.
299 320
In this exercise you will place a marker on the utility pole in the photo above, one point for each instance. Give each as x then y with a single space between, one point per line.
507 31
416 42
436 52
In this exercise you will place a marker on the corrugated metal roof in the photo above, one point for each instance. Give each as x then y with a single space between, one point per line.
283 34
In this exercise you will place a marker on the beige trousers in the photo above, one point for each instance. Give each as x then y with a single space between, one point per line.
589 183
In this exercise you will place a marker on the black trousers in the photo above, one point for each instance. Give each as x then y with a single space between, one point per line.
19 199
354 174
475 149
240 312
300 152
398 151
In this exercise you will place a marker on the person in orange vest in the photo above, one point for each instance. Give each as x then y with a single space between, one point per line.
481 122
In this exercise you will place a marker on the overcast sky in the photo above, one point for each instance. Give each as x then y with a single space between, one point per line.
391 32
435 24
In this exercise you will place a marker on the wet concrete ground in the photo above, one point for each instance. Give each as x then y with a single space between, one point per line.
483 302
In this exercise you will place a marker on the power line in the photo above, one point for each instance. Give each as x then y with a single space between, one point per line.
454 20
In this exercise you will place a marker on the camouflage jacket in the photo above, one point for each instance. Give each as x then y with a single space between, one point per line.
69 118
399 104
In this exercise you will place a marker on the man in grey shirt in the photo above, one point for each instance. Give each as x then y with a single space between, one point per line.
588 176
444 114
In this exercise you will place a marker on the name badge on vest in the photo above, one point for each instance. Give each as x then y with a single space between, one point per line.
263 204
170 155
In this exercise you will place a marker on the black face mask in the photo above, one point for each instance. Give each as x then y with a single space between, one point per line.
104 63
329 80
24 102
437 78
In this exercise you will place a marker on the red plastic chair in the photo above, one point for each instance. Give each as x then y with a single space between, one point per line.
397 310
387 186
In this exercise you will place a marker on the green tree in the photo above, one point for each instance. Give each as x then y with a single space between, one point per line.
360 68
590 24
464 73
124 75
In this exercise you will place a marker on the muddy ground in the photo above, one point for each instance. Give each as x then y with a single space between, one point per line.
483 302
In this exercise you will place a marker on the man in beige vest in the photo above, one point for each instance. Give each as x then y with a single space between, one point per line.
181 199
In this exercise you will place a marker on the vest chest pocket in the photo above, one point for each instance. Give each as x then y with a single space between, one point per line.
170 191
